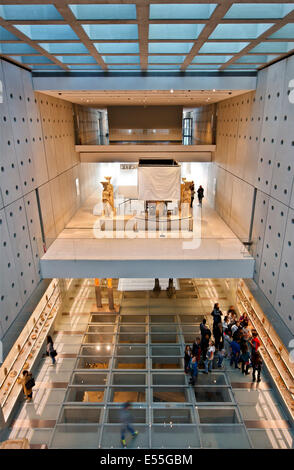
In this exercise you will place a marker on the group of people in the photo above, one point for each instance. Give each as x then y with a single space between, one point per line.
27 380
231 338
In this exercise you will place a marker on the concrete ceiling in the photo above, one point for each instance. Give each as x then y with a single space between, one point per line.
188 98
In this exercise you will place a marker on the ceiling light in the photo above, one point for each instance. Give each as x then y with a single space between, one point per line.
98 348
171 90
213 90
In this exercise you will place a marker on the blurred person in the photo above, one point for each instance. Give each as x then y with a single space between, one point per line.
193 370
235 353
126 420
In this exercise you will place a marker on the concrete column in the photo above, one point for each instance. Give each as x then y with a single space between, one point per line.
110 294
98 293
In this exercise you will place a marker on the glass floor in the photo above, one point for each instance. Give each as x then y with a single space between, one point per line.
137 356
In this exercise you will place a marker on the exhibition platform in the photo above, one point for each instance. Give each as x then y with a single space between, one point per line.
83 249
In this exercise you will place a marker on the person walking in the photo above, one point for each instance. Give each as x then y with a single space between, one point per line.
126 420
187 358
256 365
209 357
27 381
50 351
200 193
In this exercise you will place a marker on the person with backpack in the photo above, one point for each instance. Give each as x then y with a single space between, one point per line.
50 351
28 382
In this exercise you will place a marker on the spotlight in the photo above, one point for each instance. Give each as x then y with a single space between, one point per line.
98 348
108 347
171 90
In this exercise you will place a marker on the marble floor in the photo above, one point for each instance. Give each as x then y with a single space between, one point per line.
137 355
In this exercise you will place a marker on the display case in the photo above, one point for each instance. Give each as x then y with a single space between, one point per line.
274 353
27 348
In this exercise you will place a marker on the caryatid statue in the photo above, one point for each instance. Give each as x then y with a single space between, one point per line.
107 197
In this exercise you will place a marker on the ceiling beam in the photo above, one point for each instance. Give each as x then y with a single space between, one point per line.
217 15
143 31
28 41
261 38
69 17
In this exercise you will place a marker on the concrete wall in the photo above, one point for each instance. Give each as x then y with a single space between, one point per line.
255 152
37 158
204 132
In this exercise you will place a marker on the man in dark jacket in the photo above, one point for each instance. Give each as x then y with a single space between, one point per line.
200 193
196 348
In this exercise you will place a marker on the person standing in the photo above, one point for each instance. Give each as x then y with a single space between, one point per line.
187 358
196 349
254 343
209 357
193 370
126 420
50 351
200 193
192 188
204 329
245 358
217 317
204 345
235 348
27 381
218 335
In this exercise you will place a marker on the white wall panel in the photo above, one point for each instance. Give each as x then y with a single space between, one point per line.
10 294
264 158
21 247
33 221
10 183
284 300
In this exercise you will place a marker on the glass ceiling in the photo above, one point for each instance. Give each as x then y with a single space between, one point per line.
153 36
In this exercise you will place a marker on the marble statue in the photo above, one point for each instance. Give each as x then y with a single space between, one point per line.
107 197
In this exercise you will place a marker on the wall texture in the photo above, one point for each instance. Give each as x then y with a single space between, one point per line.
255 154
37 159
